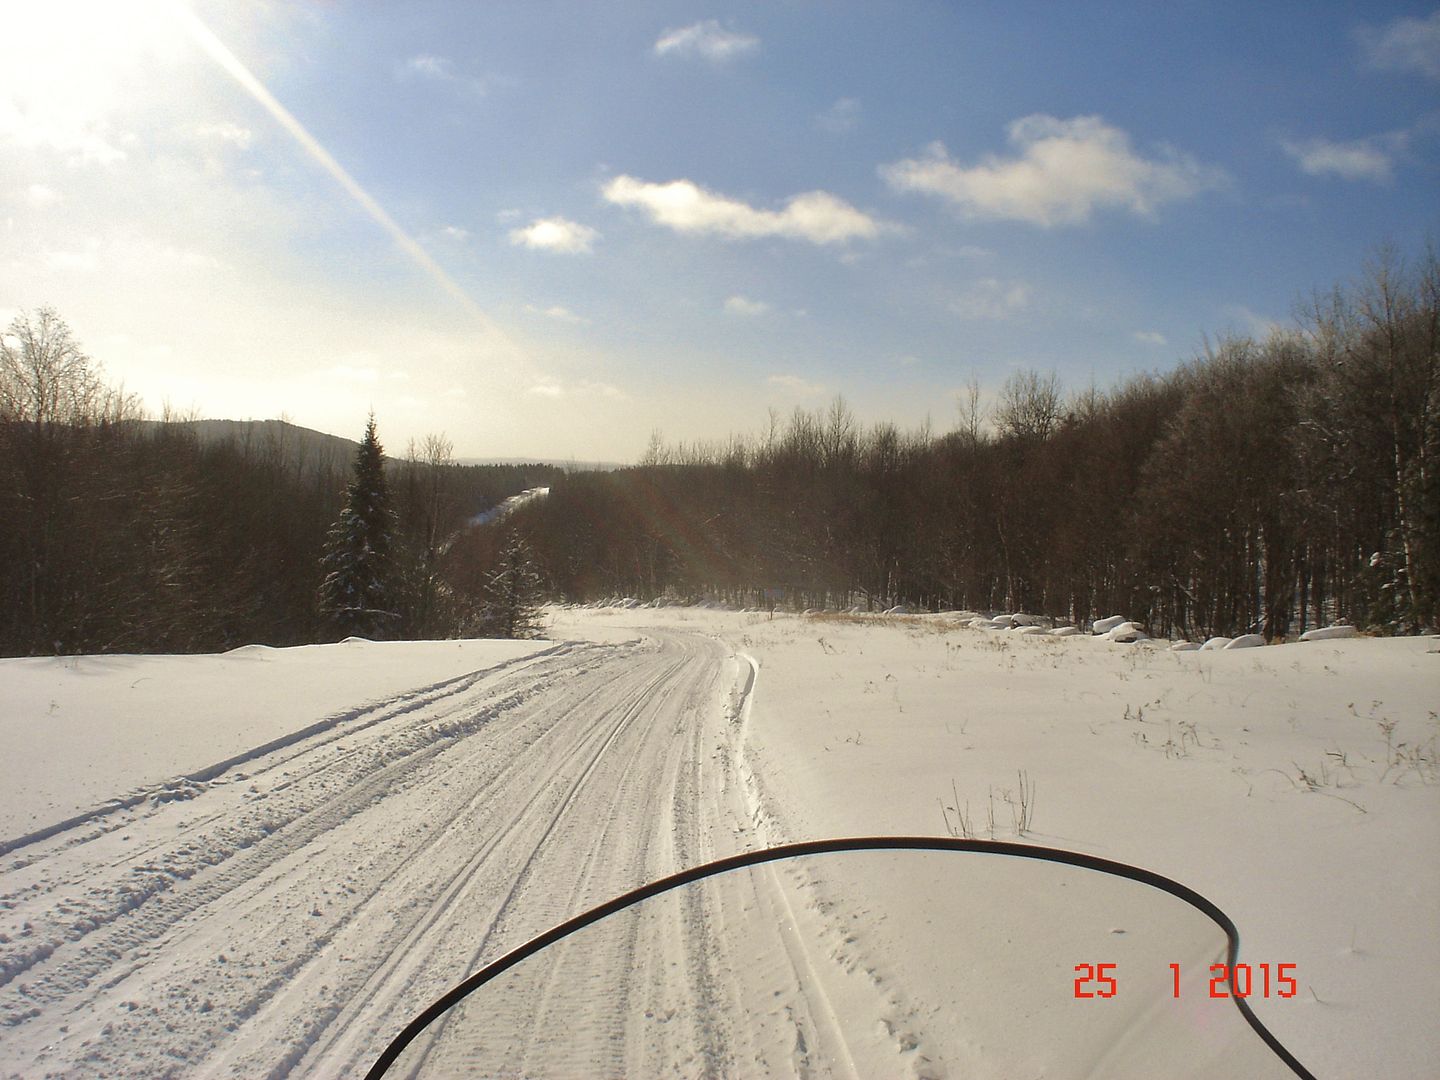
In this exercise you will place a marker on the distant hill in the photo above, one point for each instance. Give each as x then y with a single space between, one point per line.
319 448
279 436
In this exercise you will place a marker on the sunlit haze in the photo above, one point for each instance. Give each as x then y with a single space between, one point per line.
547 230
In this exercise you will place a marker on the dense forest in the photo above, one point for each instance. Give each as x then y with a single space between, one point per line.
124 535
1266 486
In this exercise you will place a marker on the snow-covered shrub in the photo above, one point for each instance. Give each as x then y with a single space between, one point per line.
1246 641
1124 631
1329 633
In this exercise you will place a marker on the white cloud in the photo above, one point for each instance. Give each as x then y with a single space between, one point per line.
840 117
1361 159
555 234
1407 44
705 39
990 298
1245 321
81 261
556 312
1064 171
1149 337
816 216
40 195
430 67
741 305
455 232
555 389
226 132
796 385
368 375
441 70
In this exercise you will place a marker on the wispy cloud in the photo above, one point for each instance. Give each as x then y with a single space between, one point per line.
1063 171
1407 45
840 117
556 312
39 195
1360 159
86 261
442 70
681 205
796 385
1150 337
556 234
706 39
1246 321
742 305
991 298
368 374
555 389
224 132
456 233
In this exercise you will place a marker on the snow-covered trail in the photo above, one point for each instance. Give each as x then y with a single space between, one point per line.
289 917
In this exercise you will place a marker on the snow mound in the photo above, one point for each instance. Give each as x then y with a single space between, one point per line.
352 640
1030 630
899 609
1065 631
1104 626
1247 641
1216 643
1125 632
250 650
1185 646
1329 633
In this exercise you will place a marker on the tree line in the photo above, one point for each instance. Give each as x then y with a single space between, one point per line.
119 534
1266 486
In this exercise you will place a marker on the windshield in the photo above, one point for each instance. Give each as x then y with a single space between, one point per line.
836 959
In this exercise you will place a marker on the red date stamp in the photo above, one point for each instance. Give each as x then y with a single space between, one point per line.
1240 980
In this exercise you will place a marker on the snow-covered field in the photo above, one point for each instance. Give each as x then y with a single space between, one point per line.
393 815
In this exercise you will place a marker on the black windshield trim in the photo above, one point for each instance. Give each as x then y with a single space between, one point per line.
823 847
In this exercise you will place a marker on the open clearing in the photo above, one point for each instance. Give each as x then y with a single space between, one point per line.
286 915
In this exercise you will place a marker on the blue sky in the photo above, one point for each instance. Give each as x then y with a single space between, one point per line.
547 229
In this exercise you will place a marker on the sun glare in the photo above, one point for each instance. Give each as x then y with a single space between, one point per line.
67 66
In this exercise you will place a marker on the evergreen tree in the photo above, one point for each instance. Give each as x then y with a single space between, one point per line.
355 597
513 593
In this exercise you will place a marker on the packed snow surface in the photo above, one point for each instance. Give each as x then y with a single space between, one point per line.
264 863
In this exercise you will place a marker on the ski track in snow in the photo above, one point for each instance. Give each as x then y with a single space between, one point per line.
287 916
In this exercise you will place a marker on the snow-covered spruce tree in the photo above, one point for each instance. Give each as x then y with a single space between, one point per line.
355 597
513 593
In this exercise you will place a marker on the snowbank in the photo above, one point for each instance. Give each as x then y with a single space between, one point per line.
1246 641
80 730
1329 633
